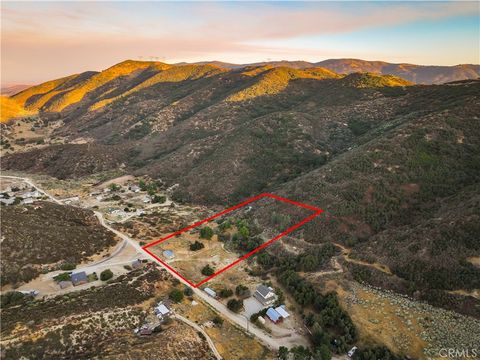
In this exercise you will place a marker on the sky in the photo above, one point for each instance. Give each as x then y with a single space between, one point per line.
41 41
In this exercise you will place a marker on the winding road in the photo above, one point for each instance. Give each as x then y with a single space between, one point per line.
267 339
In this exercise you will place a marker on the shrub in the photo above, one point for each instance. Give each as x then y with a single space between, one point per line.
242 291
62 277
235 305
225 293
197 245
106 274
217 320
206 233
188 291
176 295
67 266
207 270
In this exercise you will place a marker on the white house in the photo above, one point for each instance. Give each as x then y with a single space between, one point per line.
161 311
265 295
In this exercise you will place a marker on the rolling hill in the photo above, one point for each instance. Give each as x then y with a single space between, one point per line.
395 165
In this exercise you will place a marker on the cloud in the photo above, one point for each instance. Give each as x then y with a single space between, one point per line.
60 36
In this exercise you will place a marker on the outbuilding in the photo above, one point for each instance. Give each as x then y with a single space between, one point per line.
210 292
79 278
273 315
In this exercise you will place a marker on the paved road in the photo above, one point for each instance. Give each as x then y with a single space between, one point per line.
198 328
267 339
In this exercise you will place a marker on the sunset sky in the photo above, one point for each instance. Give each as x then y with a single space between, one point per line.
46 40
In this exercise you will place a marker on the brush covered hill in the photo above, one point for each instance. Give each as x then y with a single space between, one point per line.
50 234
395 165
11 109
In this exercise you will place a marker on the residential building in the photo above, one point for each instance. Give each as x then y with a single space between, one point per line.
162 311
79 278
265 295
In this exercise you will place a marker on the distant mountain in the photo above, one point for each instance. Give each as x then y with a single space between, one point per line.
419 74
10 90
396 166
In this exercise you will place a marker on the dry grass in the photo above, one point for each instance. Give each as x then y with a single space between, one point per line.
231 342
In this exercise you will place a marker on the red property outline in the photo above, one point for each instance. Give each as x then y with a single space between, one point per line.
317 212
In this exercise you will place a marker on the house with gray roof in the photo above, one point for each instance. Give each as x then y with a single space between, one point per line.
265 295
79 278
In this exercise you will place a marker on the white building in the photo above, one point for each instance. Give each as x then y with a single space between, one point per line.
162 311
265 295
210 292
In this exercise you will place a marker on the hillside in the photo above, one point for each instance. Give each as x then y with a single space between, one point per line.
395 165
49 235
419 74
11 109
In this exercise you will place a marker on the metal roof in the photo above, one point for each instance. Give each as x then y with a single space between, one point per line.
168 253
264 290
273 315
210 292
81 276
162 309
283 313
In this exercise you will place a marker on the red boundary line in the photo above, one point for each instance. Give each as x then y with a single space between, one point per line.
289 230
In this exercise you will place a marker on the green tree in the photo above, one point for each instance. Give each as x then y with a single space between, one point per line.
235 305
206 232
188 291
176 295
106 274
282 353
225 293
207 270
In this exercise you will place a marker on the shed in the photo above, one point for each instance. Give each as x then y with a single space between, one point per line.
210 292
169 254
79 278
273 315
136 264
281 310
64 284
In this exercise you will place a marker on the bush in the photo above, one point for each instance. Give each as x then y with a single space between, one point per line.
235 305
62 277
67 266
176 295
106 274
207 270
197 245
188 291
206 233
225 293
217 320
242 290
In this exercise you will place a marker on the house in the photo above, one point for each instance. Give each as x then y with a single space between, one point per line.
34 194
169 254
281 310
210 292
79 278
274 316
265 295
162 311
